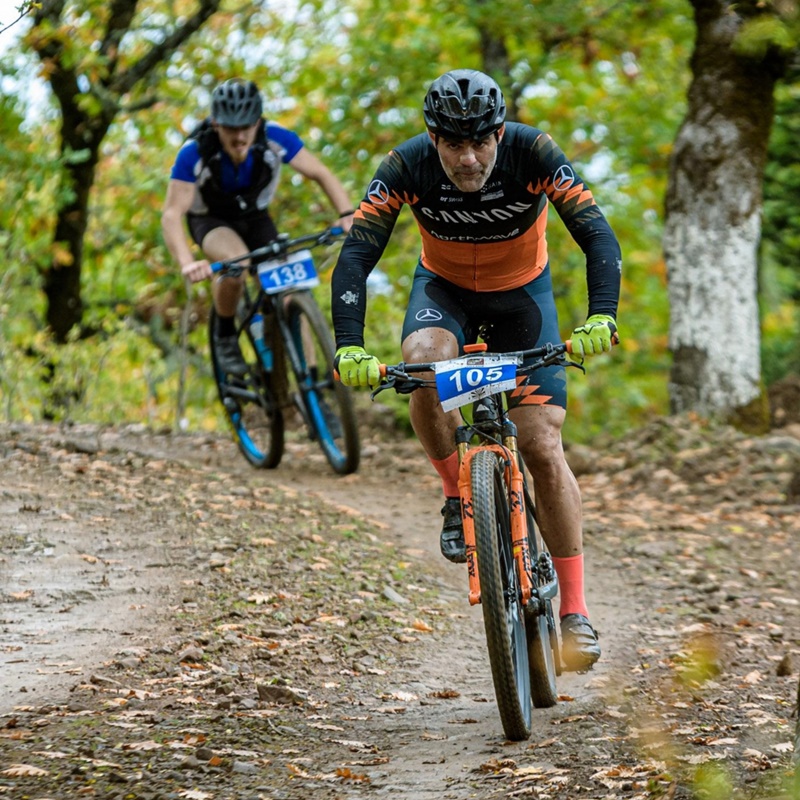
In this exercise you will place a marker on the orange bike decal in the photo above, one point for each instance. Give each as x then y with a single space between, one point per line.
519 526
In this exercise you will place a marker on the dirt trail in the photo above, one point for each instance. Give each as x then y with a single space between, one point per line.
100 561
105 589
436 748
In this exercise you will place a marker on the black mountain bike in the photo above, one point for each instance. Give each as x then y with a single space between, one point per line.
511 574
287 345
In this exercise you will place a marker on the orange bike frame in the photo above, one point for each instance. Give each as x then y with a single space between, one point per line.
519 524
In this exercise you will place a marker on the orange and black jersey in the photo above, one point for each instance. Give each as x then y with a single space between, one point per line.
486 241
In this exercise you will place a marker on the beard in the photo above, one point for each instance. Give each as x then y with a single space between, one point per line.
472 179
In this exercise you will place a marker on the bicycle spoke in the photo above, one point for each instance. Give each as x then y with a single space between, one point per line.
326 405
251 409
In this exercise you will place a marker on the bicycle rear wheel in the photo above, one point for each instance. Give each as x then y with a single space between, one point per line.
540 627
326 405
250 404
503 614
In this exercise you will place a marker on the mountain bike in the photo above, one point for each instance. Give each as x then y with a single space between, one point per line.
511 573
288 348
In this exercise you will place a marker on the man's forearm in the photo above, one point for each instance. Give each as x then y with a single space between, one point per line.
175 240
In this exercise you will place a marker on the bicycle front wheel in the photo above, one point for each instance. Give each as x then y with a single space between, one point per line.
250 404
503 613
326 405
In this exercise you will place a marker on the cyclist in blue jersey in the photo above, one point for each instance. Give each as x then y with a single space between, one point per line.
222 182
479 189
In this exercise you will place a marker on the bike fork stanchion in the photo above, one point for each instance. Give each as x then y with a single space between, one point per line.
467 518
519 528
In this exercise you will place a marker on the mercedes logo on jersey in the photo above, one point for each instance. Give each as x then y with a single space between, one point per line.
428 315
563 179
378 193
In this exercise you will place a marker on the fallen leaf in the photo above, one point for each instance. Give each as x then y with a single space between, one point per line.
749 573
259 599
24 771
142 746
445 694
355 746
403 697
545 743
345 773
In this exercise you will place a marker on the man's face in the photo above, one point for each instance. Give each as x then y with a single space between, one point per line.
236 142
467 163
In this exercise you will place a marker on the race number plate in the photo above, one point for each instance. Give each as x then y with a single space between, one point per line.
464 380
294 272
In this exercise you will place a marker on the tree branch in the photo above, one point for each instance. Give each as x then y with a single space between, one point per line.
120 15
126 80
23 11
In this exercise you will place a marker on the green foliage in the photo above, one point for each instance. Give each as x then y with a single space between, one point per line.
763 34
779 273
607 81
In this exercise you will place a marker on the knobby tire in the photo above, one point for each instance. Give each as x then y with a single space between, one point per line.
543 653
326 405
503 614
250 405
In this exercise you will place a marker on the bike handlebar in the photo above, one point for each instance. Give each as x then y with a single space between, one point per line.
282 246
400 377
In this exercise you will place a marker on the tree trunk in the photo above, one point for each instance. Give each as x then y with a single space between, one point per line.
713 220
62 280
84 126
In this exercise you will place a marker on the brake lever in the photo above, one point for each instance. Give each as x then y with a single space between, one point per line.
382 387
563 361
232 272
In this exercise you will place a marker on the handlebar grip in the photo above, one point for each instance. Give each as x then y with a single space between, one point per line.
568 345
382 368
216 266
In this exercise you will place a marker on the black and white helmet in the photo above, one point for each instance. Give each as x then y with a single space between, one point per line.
236 104
464 104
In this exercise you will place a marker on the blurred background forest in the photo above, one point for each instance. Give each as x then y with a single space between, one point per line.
608 80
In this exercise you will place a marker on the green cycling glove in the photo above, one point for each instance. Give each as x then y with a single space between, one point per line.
595 336
356 367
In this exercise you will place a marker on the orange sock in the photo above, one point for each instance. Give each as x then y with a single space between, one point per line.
570 585
448 472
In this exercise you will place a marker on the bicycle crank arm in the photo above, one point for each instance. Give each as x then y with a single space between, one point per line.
243 394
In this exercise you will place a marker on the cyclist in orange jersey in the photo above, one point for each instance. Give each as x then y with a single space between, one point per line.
479 188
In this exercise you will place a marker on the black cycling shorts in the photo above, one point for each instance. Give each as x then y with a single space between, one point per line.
517 319
255 231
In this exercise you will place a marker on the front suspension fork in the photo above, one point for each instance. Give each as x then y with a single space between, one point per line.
519 526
